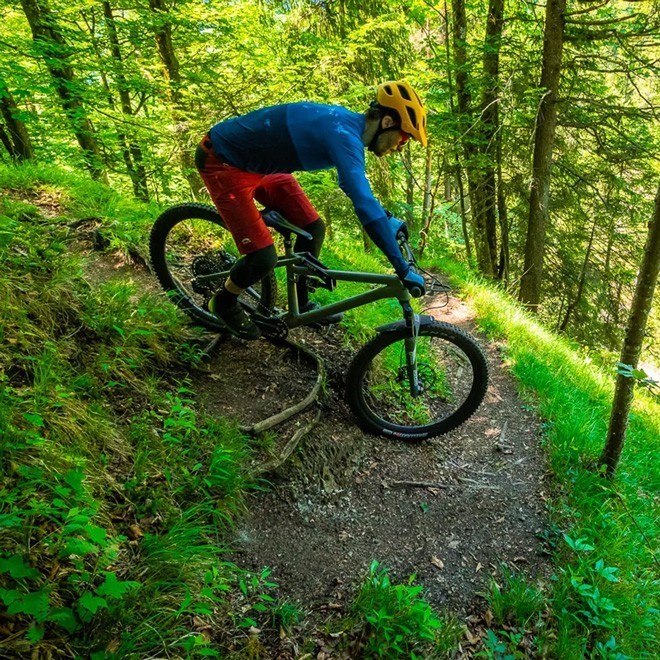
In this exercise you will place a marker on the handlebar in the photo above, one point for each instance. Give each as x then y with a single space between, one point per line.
416 292
433 283
409 255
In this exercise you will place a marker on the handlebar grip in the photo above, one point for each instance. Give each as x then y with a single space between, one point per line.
416 292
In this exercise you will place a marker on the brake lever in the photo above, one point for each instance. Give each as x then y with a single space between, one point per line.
410 255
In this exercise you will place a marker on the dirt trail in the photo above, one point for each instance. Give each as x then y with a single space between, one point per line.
334 507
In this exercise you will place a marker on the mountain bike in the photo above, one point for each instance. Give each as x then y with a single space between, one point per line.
417 378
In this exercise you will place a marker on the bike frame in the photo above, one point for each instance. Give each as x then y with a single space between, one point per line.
391 287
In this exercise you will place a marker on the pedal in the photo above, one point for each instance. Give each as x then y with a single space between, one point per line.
271 327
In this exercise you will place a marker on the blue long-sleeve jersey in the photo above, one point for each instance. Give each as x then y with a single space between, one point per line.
309 136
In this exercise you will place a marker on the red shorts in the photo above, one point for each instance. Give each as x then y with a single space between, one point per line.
233 192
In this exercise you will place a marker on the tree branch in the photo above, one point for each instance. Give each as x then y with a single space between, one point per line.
606 21
587 10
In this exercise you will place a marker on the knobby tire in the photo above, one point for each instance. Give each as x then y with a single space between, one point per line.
164 224
373 422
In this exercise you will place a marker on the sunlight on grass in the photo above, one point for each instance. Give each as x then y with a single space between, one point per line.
603 586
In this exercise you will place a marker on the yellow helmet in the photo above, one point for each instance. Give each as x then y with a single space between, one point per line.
400 96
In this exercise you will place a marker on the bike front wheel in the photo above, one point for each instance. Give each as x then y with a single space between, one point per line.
452 373
189 246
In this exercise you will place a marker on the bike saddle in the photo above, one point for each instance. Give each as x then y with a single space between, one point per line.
280 224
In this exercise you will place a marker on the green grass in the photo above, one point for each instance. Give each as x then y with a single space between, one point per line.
604 534
390 620
116 489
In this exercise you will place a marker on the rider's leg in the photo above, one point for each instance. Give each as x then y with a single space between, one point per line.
232 192
317 230
248 270
283 193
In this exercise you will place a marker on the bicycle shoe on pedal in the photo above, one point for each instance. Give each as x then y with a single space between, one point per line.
331 319
238 322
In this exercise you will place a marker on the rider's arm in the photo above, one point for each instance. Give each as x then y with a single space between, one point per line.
353 181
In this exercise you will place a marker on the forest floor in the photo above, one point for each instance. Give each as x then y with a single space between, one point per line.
346 497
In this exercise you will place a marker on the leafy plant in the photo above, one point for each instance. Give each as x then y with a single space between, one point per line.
396 621
514 601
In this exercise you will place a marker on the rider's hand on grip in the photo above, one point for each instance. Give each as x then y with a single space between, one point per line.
414 282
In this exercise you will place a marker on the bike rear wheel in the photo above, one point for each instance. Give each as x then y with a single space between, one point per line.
452 371
189 243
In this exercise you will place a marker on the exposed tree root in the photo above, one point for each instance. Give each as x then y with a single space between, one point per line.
272 421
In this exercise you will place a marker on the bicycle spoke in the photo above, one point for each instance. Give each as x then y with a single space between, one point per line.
195 250
189 248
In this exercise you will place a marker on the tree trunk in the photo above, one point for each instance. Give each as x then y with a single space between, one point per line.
488 145
133 152
410 189
544 138
459 180
163 35
50 44
426 206
18 141
464 222
476 184
632 344
503 268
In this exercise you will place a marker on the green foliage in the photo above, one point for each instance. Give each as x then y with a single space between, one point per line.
640 376
605 585
115 488
514 601
396 621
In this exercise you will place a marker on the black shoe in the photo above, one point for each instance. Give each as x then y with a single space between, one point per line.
236 319
331 319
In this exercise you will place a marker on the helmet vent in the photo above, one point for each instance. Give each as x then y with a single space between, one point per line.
388 89
404 92
413 116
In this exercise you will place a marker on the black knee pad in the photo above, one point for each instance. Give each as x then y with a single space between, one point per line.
252 267
317 230
200 158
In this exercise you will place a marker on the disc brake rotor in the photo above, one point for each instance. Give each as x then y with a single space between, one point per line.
425 374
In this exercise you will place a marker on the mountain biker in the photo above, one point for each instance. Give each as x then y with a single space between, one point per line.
252 156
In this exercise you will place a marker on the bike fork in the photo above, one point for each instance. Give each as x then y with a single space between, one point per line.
412 326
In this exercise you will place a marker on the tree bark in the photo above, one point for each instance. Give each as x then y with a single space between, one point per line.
470 139
410 189
133 153
459 179
488 145
18 141
570 308
632 344
163 35
428 193
503 217
464 222
50 44
544 138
